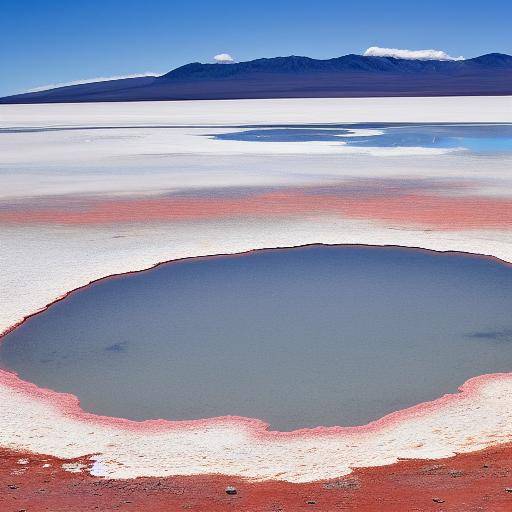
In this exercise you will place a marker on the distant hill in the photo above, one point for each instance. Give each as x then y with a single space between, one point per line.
298 77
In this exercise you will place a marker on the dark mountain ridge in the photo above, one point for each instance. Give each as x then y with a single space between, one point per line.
351 62
295 76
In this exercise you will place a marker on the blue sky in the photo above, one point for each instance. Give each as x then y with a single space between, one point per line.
47 42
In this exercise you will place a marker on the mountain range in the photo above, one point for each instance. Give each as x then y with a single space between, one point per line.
298 77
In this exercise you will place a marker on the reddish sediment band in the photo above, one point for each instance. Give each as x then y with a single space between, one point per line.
424 209
463 483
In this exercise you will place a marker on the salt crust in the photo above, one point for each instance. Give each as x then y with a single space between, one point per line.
46 422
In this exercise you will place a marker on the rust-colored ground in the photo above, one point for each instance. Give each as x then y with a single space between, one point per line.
472 482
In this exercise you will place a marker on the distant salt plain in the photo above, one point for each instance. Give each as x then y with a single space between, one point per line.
92 190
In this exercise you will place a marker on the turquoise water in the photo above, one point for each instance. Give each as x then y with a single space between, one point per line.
479 138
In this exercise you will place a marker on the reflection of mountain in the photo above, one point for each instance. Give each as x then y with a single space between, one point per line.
294 77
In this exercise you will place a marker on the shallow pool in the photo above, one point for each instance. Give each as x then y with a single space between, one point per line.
298 337
477 138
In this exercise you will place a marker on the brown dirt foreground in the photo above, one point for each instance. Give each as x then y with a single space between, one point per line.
480 481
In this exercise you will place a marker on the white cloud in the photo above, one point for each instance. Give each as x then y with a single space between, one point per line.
91 80
376 51
223 58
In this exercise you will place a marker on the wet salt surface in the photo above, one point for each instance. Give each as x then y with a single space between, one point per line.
477 138
297 337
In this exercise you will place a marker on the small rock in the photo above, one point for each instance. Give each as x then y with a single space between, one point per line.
437 500
311 502
508 489
455 473
231 490
12 486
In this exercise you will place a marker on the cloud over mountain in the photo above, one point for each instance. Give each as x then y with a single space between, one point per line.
376 51
223 58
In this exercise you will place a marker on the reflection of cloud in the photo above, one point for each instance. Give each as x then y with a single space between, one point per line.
117 347
503 335
397 53
223 58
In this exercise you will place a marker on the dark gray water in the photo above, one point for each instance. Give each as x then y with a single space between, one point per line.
298 337
476 138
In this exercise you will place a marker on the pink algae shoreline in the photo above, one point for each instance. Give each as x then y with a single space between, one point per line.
69 405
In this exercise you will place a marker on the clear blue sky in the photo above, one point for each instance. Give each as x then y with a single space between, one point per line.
48 41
